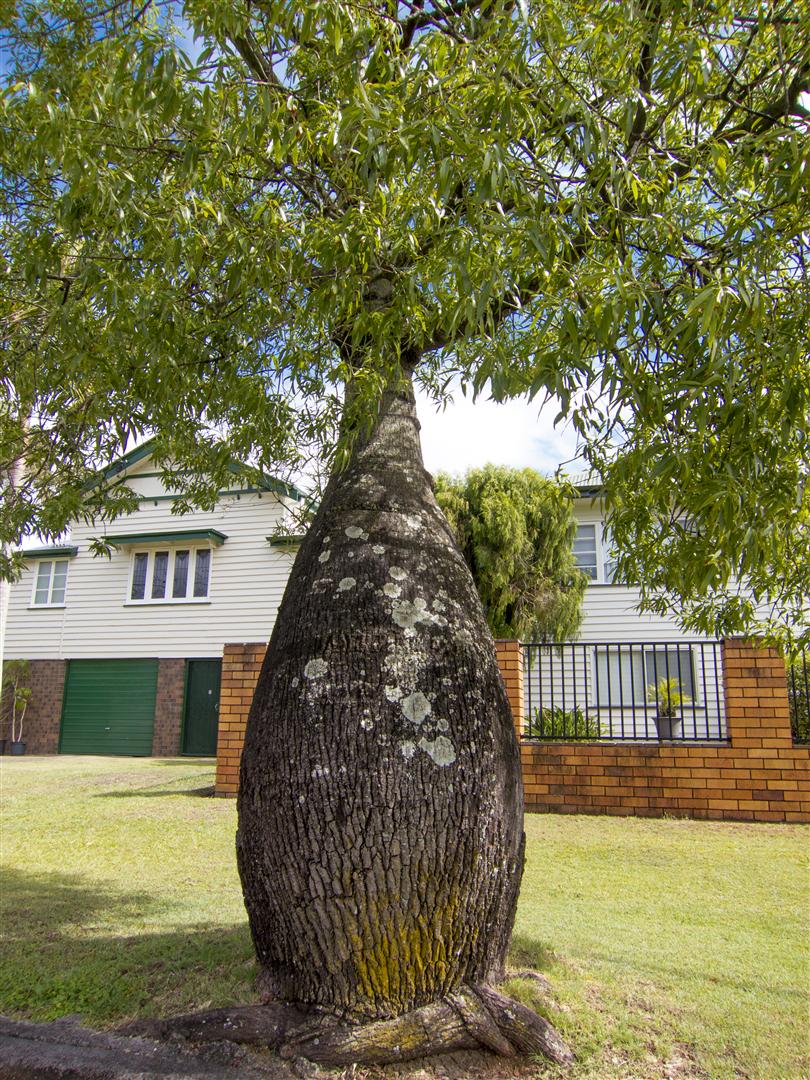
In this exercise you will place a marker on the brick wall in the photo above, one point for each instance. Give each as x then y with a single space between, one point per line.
241 665
757 776
171 682
44 712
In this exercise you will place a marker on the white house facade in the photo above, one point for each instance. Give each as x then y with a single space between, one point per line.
125 651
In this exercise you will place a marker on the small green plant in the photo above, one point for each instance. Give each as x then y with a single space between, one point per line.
798 687
668 697
16 695
557 723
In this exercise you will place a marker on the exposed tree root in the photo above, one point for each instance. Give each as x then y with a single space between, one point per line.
473 1018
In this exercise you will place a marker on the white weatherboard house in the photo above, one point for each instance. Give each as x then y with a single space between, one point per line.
125 652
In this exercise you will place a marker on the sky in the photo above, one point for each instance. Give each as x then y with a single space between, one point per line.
518 433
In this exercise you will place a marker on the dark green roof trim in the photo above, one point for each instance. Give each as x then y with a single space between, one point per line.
270 483
179 536
145 450
126 461
58 551
284 541
220 494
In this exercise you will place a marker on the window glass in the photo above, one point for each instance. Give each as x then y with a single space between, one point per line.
164 576
619 677
585 549
180 584
139 576
51 582
59 581
159 575
43 582
202 567
673 664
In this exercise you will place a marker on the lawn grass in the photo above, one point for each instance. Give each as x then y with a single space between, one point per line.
675 948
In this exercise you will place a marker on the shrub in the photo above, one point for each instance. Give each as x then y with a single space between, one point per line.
557 723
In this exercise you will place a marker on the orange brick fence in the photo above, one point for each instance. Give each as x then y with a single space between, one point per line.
757 775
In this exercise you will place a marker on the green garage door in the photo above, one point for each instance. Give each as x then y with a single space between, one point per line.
109 707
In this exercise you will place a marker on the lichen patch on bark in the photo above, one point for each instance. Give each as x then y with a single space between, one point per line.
416 707
407 613
440 749
316 668
355 532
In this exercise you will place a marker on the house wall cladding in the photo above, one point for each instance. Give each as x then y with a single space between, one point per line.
98 620
758 775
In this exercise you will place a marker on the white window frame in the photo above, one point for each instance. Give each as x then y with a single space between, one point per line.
151 550
602 551
639 683
51 564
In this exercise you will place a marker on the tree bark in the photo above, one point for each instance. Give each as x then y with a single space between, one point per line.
380 840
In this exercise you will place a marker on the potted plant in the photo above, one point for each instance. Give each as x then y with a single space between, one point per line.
669 699
18 695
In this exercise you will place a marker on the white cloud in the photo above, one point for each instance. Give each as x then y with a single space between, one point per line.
469 434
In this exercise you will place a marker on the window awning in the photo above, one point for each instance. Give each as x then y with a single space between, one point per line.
180 536
58 551
284 541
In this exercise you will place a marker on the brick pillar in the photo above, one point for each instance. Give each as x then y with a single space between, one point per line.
510 661
171 684
757 708
241 665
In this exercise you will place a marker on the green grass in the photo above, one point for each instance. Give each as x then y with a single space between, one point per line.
675 948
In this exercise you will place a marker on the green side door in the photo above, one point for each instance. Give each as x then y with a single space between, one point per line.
109 707
202 707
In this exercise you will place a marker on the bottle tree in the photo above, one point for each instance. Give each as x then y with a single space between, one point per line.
248 227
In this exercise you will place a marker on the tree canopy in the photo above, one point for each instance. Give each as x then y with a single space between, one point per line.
515 530
604 202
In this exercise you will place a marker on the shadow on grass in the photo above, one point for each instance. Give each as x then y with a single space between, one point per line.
172 763
206 792
526 952
60 956
42 904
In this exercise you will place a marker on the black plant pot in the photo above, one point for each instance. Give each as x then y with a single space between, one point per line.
669 727
18 747
2 746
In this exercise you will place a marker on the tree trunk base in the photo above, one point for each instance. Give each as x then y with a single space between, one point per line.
473 1018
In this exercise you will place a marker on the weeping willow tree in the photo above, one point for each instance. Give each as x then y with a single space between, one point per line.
253 248
515 530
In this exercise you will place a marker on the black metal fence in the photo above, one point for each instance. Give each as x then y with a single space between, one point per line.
798 687
656 691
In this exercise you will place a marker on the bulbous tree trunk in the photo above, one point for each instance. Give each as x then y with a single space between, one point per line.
380 839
